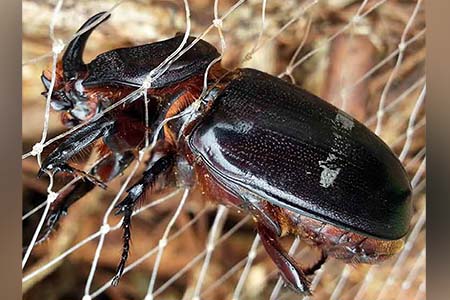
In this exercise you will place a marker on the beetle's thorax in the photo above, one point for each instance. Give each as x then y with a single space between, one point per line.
191 100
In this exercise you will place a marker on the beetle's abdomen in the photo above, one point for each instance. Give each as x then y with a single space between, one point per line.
266 137
339 243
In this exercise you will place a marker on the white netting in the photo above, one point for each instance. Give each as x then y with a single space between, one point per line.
365 56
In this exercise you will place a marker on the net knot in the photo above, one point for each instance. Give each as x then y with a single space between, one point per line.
210 247
86 297
52 196
289 70
57 46
141 154
380 114
409 132
356 19
162 243
147 83
401 47
218 23
105 228
251 255
37 149
151 77
422 287
406 285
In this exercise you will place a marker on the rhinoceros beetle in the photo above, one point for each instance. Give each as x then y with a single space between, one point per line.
298 165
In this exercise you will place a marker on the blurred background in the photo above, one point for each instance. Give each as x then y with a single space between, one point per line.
355 63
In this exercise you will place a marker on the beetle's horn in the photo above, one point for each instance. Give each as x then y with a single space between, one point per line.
73 57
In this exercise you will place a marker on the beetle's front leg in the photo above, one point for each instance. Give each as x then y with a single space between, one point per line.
79 140
156 167
110 167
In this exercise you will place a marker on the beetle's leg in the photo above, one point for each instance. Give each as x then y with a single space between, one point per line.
65 168
80 139
293 275
317 265
60 206
110 167
160 165
256 208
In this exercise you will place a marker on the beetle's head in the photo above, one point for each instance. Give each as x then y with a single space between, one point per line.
81 90
69 95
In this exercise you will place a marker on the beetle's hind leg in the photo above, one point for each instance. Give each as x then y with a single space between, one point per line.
260 212
317 265
156 167
292 273
269 224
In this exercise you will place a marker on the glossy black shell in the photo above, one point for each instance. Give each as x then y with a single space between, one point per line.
130 66
267 139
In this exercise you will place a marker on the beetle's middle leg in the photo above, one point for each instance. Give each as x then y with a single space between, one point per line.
157 166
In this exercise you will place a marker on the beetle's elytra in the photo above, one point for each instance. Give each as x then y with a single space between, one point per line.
296 163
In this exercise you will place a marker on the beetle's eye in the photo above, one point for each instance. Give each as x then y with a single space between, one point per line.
76 96
60 102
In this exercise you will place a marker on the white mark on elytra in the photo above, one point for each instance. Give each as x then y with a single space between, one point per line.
244 126
329 171
344 120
